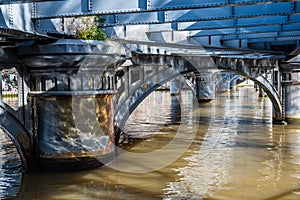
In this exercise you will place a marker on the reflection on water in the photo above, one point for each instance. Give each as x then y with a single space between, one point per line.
236 154
10 173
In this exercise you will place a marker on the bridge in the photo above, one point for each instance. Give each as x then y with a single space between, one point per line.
75 96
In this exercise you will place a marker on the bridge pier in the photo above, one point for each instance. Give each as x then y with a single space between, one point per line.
223 85
291 95
175 110
205 87
72 84
175 87
69 142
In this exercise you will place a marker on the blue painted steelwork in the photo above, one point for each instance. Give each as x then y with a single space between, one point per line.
263 9
233 23
249 36
264 20
212 24
85 7
168 4
239 31
275 39
251 19
210 28
226 12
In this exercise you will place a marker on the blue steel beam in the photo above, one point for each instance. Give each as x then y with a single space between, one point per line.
240 31
206 14
290 23
2 2
171 7
232 19
249 36
222 24
157 20
234 23
15 20
280 40
242 36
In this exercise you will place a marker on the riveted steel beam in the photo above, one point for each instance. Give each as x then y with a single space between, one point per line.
234 23
2 2
219 24
278 35
208 14
249 36
103 7
267 23
15 21
279 40
238 31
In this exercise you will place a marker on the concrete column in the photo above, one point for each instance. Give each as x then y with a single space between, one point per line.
175 87
205 87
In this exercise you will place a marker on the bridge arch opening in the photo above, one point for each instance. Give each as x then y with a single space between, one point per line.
17 146
16 132
10 87
127 103
12 112
268 88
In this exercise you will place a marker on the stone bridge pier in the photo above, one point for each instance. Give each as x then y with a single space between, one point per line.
71 88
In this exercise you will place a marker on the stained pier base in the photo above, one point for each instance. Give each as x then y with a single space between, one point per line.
74 132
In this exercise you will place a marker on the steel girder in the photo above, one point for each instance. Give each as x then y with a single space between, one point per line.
63 8
230 19
253 20
16 24
205 14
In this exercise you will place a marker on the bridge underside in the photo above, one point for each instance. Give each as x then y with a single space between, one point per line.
254 24
156 40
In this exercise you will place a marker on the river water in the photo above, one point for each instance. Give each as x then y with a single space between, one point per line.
235 153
